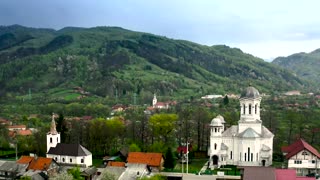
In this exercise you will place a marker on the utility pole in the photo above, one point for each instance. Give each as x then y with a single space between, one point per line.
187 155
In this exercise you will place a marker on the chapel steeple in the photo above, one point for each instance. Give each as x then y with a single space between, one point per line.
53 136
53 129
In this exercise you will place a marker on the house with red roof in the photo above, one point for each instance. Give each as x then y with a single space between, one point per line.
302 157
41 164
154 160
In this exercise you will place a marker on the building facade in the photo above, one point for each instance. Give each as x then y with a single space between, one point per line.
247 144
66 154
302 157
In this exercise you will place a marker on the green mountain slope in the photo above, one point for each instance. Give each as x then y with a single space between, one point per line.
111 61
305 65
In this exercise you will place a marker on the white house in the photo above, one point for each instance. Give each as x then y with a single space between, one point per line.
302 157
247 144
66 154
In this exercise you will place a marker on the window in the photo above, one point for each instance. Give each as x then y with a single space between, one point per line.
244 109
313 161
255 108
215 129
249 108
245 156
305 153
248 154
70 160
230 154
298 162
82 160
57 139
251 157
62 159
215 146
51 140
56 158
240 156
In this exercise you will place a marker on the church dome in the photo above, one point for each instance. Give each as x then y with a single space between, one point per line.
216 121
250 92
221 118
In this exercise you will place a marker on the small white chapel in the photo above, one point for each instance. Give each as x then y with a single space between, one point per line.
247 144
66 154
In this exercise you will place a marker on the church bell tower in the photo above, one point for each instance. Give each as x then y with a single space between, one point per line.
53 137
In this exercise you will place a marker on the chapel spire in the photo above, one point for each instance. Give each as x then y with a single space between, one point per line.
53 129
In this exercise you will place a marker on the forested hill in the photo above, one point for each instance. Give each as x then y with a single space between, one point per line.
305 65
111 61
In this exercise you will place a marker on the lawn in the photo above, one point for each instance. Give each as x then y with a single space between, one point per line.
194 166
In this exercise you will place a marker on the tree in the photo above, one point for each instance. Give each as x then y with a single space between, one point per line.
134 148
169 162
226 100
76 173
163 125
61 127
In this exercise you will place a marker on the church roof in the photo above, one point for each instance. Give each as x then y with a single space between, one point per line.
250 92
53 129
249 133
69 150
217 121
224 147
265 148
233 131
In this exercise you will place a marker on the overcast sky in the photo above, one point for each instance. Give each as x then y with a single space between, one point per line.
266 29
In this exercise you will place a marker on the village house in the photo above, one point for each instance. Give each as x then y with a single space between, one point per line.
247 144
39 164
302 157
214 96
292 93
11 170
66 154
153 160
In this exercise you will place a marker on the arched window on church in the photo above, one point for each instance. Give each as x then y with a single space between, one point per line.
51 140
215 129
57 139
255 108
244 109
230 154
215 146
250 108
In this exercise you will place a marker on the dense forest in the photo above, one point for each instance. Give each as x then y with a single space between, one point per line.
304 65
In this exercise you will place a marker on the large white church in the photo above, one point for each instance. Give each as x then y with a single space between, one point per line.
247 144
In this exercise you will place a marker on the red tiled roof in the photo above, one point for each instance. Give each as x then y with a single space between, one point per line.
26 132
116 164
161 104
41 163
151 159
298 146
25 159
17 126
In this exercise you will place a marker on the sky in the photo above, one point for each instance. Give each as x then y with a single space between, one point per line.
263 28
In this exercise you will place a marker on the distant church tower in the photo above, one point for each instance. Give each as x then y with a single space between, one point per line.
53 137
154 101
